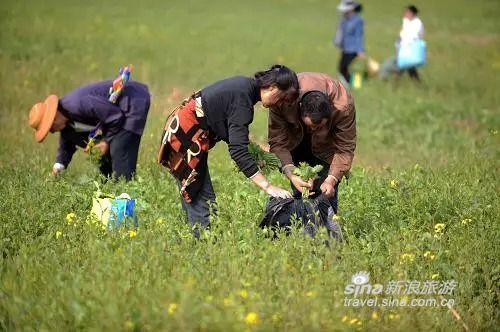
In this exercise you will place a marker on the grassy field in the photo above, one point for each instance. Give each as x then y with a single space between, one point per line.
426 156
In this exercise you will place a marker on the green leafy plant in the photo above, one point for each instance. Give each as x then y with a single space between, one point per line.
306 173
267 161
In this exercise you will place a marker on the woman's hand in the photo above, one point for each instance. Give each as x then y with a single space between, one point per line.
260 180
274 191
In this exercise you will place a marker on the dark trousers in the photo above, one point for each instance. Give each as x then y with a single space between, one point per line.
198 211
345 60
390 65
413 73
122 158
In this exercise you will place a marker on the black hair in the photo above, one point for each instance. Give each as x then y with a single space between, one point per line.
413 9
358 8
315 105
284 78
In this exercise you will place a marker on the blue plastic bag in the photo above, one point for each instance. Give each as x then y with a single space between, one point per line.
122 209
412 54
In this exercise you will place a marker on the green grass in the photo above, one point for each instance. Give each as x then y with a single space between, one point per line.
439 144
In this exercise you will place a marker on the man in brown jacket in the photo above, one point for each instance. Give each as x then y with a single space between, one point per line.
319 129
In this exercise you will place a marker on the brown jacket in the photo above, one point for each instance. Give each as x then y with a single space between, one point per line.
334 143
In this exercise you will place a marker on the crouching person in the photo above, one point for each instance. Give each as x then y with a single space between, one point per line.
220 112
87 114
320 129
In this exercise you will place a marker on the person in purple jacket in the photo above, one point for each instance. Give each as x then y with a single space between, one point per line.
86 110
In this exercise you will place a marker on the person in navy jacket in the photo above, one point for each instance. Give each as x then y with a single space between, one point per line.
87 109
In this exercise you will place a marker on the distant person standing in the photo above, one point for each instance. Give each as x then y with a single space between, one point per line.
412 30
349 36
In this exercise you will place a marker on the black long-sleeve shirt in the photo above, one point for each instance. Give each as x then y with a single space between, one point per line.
228 107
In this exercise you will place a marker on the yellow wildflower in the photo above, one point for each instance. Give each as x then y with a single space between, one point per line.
353 321
439 228
58 234
429 255
435 276
129 325
227 302
172 307
70 218
406 258
310 294
160 222
252 318
345 319
393 316
132 233
375 315
243 293
466 221
393 184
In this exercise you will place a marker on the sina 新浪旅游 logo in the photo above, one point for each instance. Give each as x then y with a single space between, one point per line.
360 285
360 278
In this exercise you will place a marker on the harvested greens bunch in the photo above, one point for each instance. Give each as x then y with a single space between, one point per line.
306 173
95 156
267 161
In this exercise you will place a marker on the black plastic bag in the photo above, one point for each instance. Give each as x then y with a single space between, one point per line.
312 213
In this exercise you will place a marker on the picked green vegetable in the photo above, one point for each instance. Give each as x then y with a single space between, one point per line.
267 161
306 173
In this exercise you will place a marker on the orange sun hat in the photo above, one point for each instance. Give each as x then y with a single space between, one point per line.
42 117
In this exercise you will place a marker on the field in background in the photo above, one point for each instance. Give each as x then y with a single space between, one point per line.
439 144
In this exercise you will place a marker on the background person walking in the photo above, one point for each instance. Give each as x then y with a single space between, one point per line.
349 36
412 30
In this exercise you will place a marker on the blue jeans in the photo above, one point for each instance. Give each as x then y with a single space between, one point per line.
198 211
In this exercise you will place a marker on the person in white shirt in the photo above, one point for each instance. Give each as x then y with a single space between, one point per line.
412 29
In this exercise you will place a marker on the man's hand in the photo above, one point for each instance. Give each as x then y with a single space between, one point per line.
103 147
362 55
300 184
58 168
328 186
